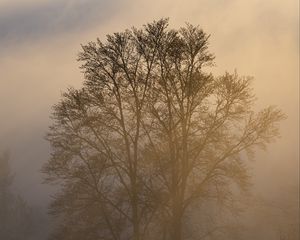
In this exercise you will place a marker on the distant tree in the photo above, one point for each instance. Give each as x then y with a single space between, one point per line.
15 215
280 213
151 136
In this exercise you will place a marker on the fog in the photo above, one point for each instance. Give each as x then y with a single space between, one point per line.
40 40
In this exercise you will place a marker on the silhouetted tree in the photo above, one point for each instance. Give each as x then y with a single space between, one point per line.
15 215
150 136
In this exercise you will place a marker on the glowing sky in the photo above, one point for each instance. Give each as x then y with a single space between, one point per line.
39 41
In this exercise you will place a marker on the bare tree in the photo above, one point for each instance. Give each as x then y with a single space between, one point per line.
150 135
16 221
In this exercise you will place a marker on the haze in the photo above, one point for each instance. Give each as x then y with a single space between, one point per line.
40 40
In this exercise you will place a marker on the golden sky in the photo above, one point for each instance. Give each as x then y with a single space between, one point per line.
39 41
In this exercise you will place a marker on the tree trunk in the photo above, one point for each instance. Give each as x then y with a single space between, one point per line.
136 226
176 227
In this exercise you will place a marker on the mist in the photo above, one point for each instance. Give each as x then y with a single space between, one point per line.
39 45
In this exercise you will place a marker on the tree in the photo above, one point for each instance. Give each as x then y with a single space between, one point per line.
151 136
15 215
275 216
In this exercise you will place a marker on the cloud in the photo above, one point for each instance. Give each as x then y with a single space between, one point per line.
26 23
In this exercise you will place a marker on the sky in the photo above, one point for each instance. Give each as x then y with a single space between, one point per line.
40 40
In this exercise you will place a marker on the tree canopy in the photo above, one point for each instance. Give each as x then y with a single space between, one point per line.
151 136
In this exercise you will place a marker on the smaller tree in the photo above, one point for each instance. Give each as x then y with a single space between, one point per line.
15 215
